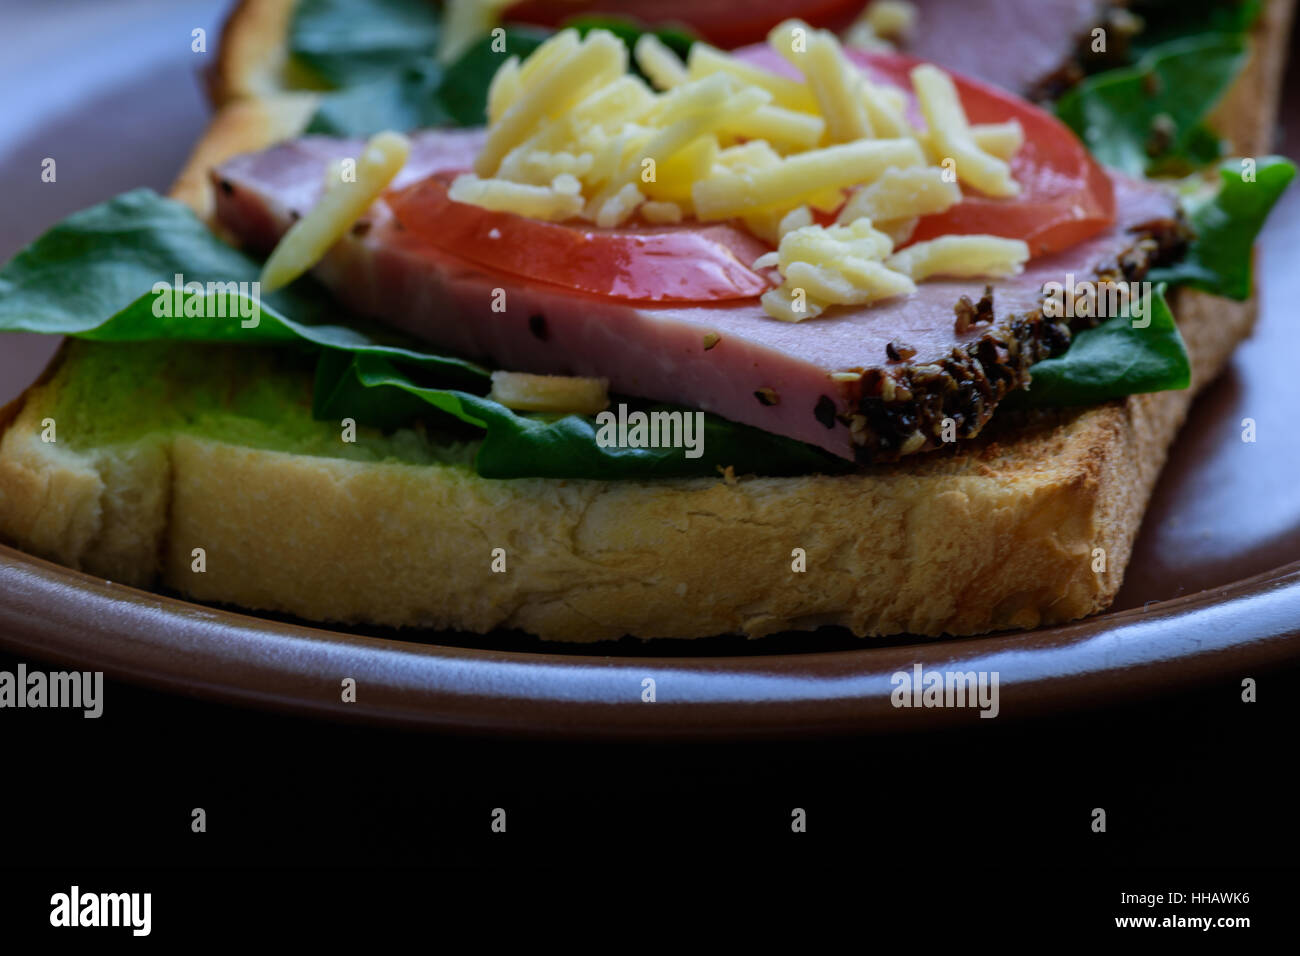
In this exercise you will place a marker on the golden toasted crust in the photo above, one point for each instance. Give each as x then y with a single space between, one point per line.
1002 534
253 56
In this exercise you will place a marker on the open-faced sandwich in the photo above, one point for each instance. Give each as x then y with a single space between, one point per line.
606 330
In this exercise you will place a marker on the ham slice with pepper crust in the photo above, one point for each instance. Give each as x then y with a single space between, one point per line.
867 384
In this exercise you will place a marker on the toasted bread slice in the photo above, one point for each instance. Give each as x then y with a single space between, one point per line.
1003 534
1032 524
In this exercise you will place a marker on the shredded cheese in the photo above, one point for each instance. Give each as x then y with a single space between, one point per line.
902 193
503 88
891 18
836 265
573 135
338 208
560 394
552 202
792 180
880 23
704 60
834 81
584 66
661 212
962 257
658 62
951 135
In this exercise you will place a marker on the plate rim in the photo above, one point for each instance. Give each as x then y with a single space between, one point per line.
73 618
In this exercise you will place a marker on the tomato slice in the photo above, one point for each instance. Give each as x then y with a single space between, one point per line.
1065 195
724 23
693 263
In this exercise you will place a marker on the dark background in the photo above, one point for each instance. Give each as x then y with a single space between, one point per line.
995 817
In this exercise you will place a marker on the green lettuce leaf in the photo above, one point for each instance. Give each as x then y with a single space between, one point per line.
1115 359
375 60
1167 20
1149 118
121 249
349 42
405 99
419 93
527 446
1227 221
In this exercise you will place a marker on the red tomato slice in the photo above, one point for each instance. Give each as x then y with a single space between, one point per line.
1065 196
724 23
640 264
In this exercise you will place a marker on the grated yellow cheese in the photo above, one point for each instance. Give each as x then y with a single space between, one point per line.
559 394
586 65
658 62
338 208
795 219
792 180
1002 140
891 18
788 128
572 134
951 136
704 60
962 257
674 176
835 83
898 230
503 89
615 209
902 193
880 23
501 195
659 213
836 265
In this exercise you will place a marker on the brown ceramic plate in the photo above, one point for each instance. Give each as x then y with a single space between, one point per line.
1212 592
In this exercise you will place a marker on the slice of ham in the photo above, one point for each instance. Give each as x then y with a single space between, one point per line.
1014 44
728 358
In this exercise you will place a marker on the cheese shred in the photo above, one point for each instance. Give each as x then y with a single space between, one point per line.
339 207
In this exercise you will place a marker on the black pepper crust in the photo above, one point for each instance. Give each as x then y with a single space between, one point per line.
900 410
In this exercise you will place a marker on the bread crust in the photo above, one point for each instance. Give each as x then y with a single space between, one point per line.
999 534
253 57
